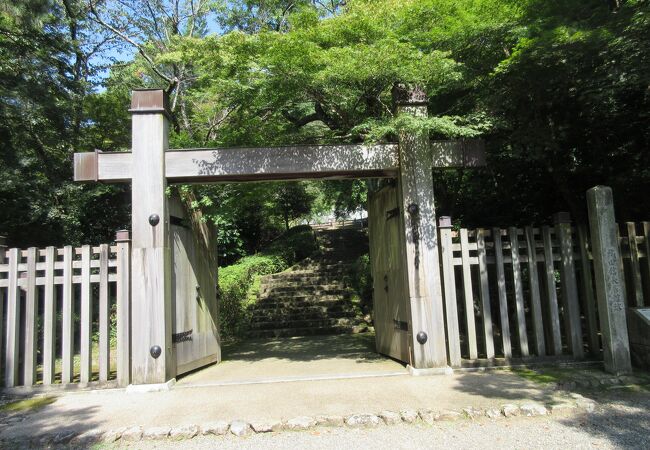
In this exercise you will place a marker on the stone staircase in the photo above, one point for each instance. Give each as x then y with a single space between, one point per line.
312 297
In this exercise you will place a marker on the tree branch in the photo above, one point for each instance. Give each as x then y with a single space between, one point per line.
97 18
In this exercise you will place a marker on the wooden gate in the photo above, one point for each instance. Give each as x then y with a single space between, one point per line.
390 295
195 332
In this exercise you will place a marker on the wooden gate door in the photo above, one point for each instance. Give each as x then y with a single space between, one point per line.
195 330
390 296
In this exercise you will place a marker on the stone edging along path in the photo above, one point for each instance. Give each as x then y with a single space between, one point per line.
576 403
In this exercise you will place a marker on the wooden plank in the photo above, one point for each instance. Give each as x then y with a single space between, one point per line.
4 268
468 296
264 163
13 321
621 264
86 317
573 324
635 266
104 312
194 265
535 299
31 313
551 293
275 163
417 207
503 299
519 292
290 162
150 253
589 299
49 319
67 329
646 246
123 300
451 307
485 294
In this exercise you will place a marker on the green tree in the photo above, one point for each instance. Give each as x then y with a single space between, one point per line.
292 201
45 73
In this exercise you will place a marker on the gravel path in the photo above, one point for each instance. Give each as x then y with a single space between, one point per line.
621 421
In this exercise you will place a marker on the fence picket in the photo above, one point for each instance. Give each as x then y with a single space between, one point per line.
49 320
635 266
468 295
551 293
570 302
3 296
485 294
519 292
104 311
86 316
31 310
589 298
503 299
535 300
646 239
13 321
123 296
451 308
67 331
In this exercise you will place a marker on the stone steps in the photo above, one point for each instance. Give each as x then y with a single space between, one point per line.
306 323
312 297
303 276
302 291
303 299
290 305
273 316
290 332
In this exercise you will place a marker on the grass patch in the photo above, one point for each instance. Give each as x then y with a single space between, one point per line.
30 404
543 375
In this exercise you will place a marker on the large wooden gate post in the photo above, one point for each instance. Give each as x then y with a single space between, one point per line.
418 212
610 291
151 352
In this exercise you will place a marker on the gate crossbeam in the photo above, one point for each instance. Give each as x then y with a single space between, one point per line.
275 163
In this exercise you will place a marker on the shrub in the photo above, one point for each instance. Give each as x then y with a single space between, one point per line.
360 280
239 282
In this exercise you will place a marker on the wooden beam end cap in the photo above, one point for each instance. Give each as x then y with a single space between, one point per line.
85 166
149 101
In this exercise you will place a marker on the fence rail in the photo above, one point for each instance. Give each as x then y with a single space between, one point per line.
57 305
530 291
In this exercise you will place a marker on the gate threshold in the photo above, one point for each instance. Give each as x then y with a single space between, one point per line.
291 379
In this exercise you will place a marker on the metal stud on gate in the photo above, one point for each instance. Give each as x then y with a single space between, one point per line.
155 351
422 337
154 219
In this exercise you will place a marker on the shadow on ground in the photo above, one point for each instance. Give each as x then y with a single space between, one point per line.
307 348
43 427
622 414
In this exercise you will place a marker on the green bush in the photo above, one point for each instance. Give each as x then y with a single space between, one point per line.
239 282
360 280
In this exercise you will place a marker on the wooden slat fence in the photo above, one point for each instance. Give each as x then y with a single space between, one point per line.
634 241
511 292
56 306
530 292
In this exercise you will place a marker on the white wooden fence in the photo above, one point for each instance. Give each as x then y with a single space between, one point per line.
529 292
54 302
